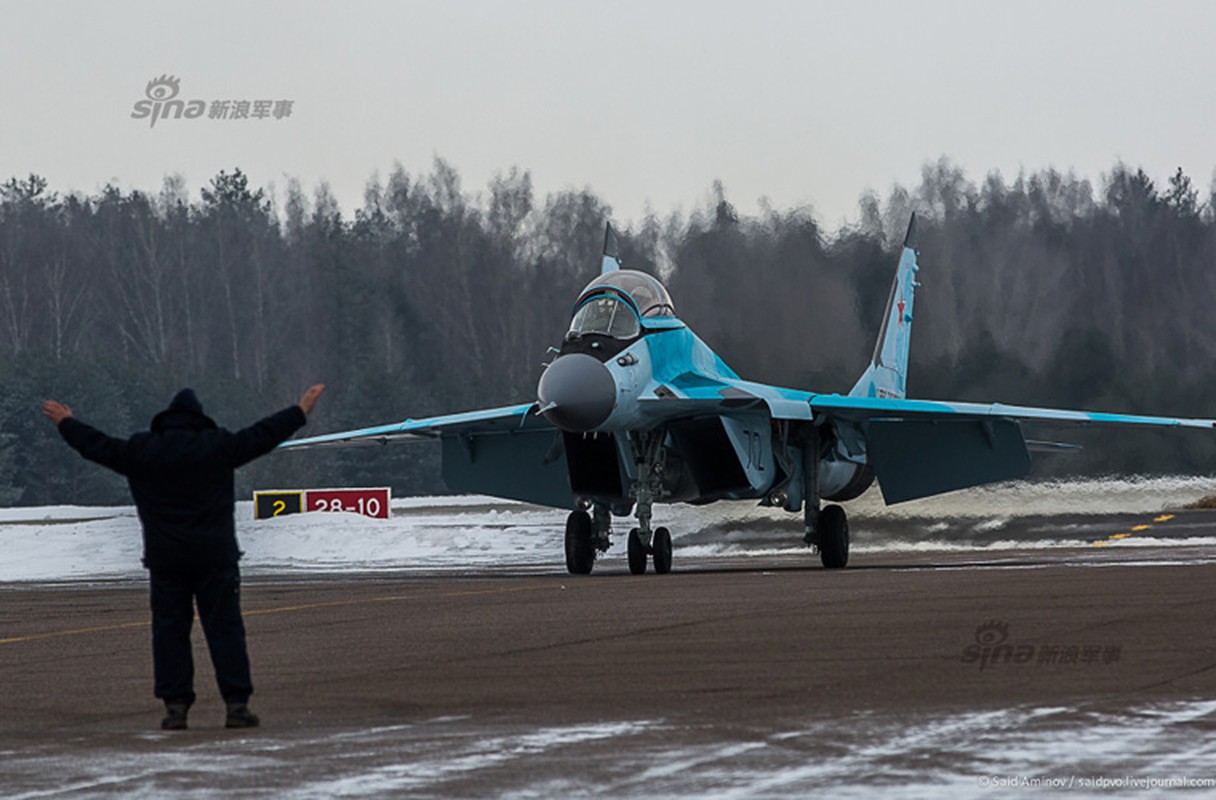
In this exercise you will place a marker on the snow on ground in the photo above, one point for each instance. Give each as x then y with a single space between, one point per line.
73 543
1145 750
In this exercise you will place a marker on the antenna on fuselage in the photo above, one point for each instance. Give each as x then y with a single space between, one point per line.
612 259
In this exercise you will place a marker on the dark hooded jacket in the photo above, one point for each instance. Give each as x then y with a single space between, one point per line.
181 477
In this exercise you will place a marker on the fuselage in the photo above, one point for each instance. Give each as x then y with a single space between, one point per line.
622 374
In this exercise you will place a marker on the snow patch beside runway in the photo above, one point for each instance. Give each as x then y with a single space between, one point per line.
919 755
74 543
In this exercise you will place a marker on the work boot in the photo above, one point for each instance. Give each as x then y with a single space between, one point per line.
239 716
175 717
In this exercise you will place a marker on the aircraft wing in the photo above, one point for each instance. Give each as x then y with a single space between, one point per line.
919 448
735 395
485 422
858 409
505 452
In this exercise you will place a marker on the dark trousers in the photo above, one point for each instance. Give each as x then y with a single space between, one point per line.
218 594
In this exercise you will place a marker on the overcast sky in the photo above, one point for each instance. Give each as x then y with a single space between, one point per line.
646 103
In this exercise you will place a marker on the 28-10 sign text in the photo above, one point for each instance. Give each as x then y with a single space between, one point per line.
368 502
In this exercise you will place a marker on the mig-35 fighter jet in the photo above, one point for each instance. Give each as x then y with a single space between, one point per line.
635 410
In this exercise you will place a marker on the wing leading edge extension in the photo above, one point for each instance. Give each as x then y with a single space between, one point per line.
868 408
507 419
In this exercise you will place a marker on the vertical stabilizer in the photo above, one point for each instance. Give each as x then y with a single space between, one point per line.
887 375
612 259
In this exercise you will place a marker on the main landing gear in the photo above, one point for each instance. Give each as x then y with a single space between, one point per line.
826 530
586 536
828 533
833 537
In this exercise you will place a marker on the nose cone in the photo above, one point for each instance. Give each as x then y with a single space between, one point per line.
576 393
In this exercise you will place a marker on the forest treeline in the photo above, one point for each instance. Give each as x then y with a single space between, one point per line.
430 298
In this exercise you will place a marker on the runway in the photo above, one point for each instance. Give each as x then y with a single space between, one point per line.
739 676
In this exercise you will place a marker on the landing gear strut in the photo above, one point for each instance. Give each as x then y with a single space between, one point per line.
825 530
643 541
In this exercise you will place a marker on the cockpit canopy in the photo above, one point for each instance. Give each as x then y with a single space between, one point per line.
614 303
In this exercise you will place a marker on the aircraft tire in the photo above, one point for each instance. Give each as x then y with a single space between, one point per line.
833 537
580 551
637 553
662 551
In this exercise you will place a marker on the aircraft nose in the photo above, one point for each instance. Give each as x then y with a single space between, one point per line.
576 392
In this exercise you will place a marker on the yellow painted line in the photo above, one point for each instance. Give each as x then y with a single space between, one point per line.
76 632
257 612
279 610
1136 529
392 598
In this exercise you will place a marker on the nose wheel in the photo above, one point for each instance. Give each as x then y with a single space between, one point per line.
659 550
637 553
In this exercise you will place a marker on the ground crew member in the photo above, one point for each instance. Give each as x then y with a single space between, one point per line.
181 478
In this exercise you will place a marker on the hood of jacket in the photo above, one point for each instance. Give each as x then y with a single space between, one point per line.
184 411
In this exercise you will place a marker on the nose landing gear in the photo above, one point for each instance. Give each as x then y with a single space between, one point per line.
643 542
659 549
585 534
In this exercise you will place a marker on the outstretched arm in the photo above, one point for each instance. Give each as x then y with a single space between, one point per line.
264 435
88 441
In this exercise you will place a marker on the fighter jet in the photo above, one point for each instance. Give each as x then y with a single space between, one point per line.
635 410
